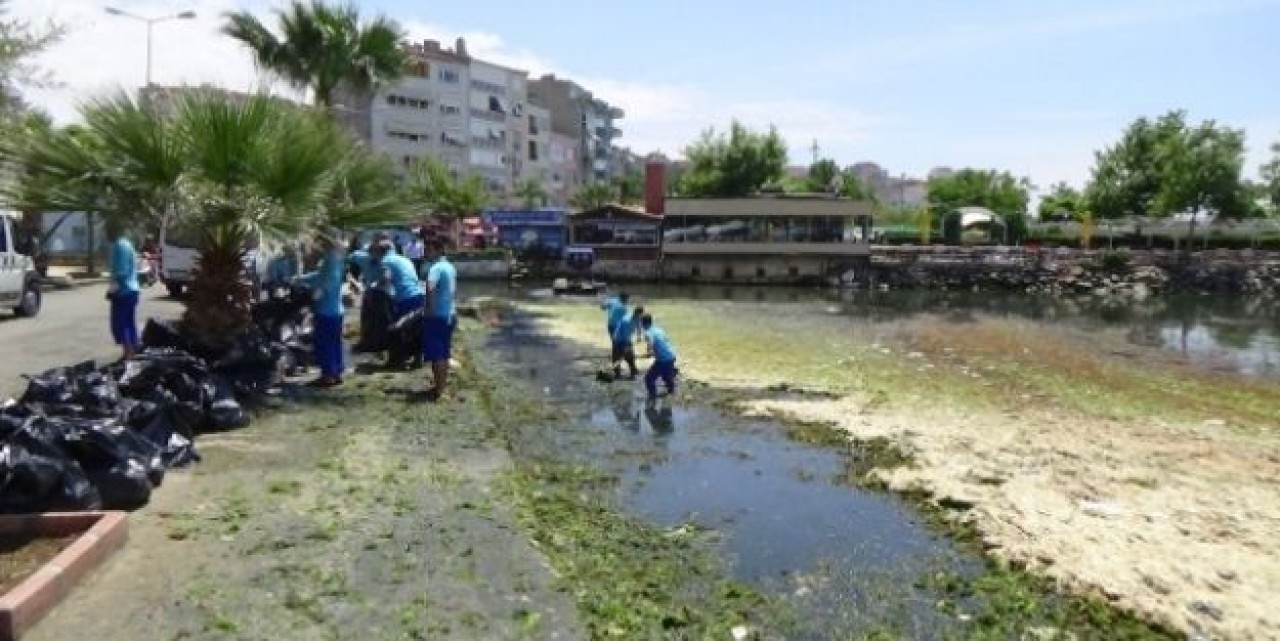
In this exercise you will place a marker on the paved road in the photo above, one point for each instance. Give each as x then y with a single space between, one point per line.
71 328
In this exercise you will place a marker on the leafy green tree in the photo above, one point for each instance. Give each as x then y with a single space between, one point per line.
1164 167
531 193
999 191
593 196
225 171
823 176
436 190
1062 200
323 48
1271 179
20 41
630 188
851 186
733 165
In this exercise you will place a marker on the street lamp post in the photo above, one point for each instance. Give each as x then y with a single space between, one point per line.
151 22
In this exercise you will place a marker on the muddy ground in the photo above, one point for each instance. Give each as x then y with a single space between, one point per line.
363 513
1115 470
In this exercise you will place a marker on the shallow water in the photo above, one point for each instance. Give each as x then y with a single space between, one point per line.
848 559
1226 333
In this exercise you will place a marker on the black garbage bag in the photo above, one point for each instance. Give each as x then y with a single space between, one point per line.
154 367
56 386
251 363
160 405
225 412
96 445
163 335
377 312
122 486
37 475
164 426
405 337
97 394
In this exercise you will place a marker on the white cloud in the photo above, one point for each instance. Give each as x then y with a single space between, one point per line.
103 53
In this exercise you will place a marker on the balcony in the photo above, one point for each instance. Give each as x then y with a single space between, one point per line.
617 113
491 116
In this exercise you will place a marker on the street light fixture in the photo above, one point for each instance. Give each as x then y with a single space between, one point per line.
150 22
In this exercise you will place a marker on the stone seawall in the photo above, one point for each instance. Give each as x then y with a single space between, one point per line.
1126 274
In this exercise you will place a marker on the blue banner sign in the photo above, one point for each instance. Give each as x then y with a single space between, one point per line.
509 217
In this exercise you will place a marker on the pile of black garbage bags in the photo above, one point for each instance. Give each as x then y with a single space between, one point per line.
85 437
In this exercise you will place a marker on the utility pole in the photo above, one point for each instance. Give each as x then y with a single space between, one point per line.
815 150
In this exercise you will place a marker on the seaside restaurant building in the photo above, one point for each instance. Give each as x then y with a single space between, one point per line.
618 234
524 228
765 239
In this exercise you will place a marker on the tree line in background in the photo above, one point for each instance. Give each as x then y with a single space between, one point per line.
1159 168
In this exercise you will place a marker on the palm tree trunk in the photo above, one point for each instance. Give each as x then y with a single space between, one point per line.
221 304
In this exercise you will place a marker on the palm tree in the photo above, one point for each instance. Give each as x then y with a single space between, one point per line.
228 172
435 190
323 48
531 193
593 196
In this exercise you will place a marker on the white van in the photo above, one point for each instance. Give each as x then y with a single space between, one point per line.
178 260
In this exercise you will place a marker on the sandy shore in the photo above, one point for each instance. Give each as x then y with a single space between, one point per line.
1109 468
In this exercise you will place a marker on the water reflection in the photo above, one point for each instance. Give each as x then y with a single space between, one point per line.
661 418
1238 333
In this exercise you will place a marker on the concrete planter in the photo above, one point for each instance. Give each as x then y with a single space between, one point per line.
102 534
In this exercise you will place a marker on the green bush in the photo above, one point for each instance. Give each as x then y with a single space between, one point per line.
1115 262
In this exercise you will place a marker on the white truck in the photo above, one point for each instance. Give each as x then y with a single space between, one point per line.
178 257
19 282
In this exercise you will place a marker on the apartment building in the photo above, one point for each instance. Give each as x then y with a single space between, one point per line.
566 167
425 114
576 113
489 120
537 158
498 109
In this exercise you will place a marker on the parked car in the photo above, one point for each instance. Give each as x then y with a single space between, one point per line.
19 281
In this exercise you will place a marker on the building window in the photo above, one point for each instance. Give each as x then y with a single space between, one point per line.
449 110
696 271
449 76
759 272
533 126
495 105
793 271
533 150
728 272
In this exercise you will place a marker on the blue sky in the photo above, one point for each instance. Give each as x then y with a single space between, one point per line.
1032 87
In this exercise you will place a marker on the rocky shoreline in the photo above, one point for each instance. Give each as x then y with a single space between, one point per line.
1109 275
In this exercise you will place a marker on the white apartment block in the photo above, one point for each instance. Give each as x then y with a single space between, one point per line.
537 157
498 111
479 118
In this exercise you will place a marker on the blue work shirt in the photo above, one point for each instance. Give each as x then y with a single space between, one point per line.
283 269
326 284
663 352
442 281
124 266
626 329
616 310
361 260
403 276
